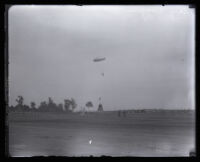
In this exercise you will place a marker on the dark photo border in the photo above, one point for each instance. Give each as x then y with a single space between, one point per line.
6 4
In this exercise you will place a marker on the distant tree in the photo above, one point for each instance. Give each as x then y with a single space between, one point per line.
51 105
60 107
67 104
43 106
25 108
11 108
73 104
20 100
33 105
50 101
89 104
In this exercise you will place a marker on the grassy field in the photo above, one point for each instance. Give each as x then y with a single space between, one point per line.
159 133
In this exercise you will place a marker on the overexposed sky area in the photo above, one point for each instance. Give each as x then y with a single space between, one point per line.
149 53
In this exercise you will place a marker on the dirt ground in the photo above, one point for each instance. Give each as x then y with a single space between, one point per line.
160 133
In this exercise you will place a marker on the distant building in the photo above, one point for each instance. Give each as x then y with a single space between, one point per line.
100 108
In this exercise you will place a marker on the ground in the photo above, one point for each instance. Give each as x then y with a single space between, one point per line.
159 133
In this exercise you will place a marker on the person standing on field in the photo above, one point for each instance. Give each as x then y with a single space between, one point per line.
119 113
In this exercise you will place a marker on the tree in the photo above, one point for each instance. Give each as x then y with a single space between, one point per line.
67 104
25 108
20 100
33 108
60 107
11 108
32 105
43 106
51 105
50 101
19 106
89 104
73 104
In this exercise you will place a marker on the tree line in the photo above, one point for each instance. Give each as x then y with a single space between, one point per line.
45 106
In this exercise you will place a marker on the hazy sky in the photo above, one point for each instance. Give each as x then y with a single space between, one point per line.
149 54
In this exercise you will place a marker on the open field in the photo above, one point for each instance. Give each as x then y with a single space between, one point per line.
159 133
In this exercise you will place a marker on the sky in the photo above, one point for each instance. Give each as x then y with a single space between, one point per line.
149 53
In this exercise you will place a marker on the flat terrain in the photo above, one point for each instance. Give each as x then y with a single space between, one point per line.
159 133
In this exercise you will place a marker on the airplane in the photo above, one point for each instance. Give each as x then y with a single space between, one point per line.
99 59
